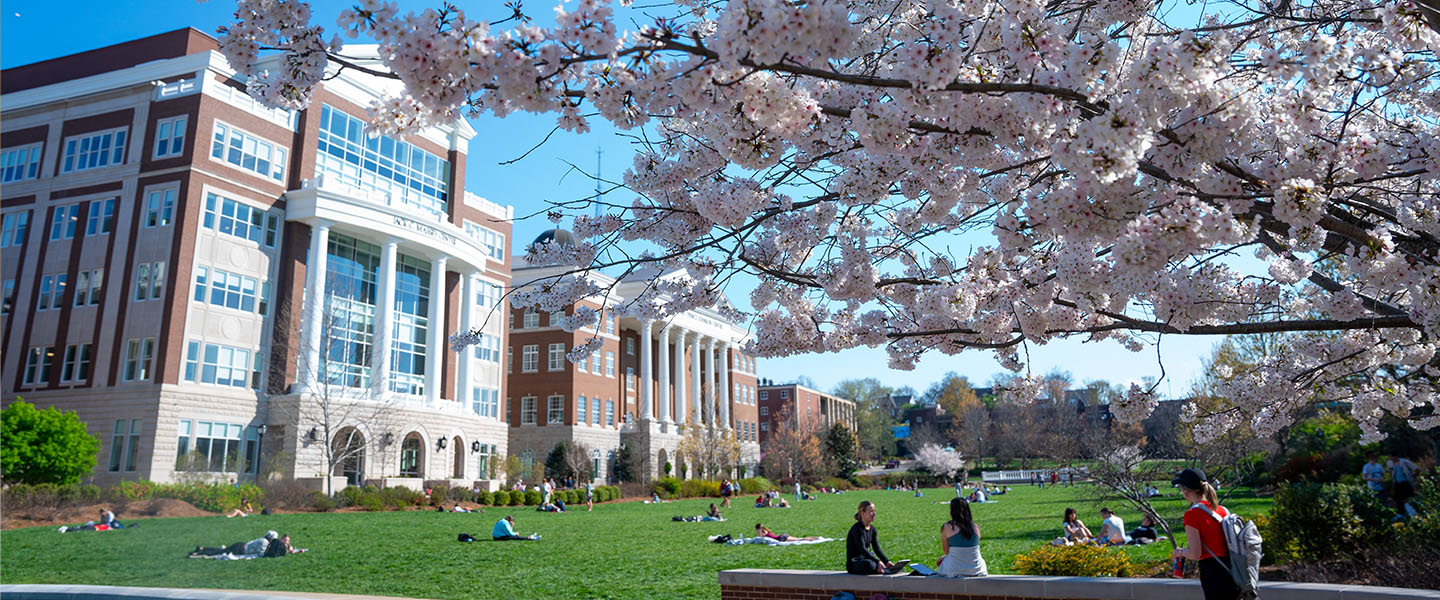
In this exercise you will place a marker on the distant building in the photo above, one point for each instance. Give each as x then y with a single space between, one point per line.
646 383
794 405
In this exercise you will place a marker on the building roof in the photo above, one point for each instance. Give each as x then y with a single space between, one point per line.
171 44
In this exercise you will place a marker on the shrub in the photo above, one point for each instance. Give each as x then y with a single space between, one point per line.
1078 561
1298 468
668 486
320 502
517 498
44 446
695 488
863 481
755 485
438 493
482 497
1350 516
533 498
350 496
836 482
371 502
137 490
460 494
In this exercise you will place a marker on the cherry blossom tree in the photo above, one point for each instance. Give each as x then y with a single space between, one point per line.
942 462
937 176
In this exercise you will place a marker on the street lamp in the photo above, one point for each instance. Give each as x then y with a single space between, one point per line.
260 450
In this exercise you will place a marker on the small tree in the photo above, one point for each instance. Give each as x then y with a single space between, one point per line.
841 447
44 446
940 461
555 465
708 451
1123 474
792 454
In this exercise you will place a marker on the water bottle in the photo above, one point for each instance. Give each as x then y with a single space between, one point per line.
1179 568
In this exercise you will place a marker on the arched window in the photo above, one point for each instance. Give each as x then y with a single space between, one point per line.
410 455
459 467
349 455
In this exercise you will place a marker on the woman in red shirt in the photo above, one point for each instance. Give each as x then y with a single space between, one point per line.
1204 534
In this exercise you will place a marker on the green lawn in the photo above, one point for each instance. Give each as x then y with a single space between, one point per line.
624 550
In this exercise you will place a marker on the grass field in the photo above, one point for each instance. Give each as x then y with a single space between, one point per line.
622 550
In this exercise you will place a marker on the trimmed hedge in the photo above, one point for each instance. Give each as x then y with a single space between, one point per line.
1080 560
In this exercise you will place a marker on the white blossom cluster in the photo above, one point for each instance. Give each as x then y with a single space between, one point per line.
943 176
939 461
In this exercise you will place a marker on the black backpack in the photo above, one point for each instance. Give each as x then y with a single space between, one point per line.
465 537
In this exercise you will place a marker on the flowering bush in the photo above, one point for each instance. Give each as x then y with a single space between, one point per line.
1105 163
1082 560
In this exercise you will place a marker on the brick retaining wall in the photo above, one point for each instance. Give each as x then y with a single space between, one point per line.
767 584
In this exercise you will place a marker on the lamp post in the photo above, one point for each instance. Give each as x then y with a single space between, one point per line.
260 450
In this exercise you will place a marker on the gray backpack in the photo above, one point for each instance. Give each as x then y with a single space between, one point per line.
1242 542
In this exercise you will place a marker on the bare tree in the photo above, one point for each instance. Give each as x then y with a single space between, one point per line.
336 404
709 451
792 453
1123 474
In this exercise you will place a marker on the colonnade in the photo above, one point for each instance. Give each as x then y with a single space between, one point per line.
310 377
705 370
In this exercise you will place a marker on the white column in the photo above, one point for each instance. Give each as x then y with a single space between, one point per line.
681 389
463 387
645 358
665 365
724 386
710 382
434 321
309 376
695 406
384 321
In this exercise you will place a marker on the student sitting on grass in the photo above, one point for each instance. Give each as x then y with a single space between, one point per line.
1075 530
1145 533
505 531
1112 529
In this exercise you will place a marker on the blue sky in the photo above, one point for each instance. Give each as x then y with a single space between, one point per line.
34 30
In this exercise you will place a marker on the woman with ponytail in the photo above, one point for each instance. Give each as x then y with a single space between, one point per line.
960 543
862 546
1203 533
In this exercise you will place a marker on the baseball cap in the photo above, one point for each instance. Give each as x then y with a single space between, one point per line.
1190 478
271 535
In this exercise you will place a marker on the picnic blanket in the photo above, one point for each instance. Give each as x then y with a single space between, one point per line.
229 556
765 541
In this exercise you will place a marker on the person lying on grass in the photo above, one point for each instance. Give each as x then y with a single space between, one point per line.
255 547
505 531
763 531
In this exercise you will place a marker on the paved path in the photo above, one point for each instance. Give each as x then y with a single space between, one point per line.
106 592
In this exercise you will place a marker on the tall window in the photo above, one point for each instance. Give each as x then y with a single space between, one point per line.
149 281
19 164
7 297
493 242
169 137
89 286
487 296
102 217
556 357
595 411
530 358
527 410
352 268
62 224
485 401
380 163
630 346
410 323
630 378
582 410
609 364
248 152
410 456
610 412
52 292
159 207
241 220
76 366
220 365
117 443
610 322
94 150
218 447
555 410
138 352
13 228
532 319
37 365
488 348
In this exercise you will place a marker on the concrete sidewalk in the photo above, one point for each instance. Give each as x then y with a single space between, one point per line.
106 592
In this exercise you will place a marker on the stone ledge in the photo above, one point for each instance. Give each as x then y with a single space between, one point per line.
1030 586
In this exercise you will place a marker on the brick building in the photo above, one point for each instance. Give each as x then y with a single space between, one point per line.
198 276
794 405
642 387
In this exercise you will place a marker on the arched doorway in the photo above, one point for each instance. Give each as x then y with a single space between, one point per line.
412 456
459 468
661 459
348 454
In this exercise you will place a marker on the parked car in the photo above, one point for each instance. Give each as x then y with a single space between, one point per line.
892 464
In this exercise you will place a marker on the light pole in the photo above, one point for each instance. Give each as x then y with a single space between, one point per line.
260 450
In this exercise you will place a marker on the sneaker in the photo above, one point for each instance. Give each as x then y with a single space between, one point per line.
534 536
64 528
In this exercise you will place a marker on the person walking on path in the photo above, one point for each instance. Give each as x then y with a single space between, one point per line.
1207 540
1374 475
1402 474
